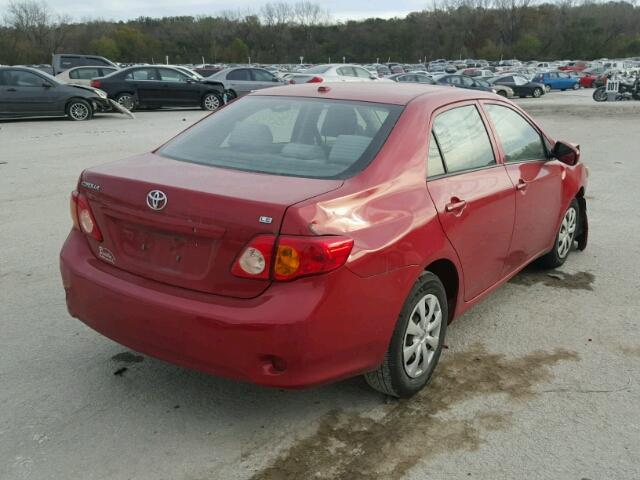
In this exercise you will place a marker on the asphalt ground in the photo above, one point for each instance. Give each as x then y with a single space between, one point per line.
538 381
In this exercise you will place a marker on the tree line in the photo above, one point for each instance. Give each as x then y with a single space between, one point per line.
283 32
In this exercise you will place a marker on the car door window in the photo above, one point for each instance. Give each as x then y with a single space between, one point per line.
506 80
435 165
520 141
241 74
70 62
553 76
361 73
463 139
346 71
106 71
20 78
261 75
169 75
84 74
142 74
520 80
467 82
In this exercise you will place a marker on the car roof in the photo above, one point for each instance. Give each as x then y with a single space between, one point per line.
383 92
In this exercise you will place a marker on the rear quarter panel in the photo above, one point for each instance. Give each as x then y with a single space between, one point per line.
386 209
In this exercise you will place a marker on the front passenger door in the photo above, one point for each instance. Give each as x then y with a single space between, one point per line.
474 197
538 183
178 89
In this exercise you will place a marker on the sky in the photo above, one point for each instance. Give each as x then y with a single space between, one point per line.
127 9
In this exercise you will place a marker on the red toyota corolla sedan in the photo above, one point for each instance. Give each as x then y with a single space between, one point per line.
305 234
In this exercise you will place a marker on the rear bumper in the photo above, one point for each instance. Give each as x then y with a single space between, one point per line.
299 334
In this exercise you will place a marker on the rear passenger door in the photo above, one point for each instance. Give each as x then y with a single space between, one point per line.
145 82
538 181
472 193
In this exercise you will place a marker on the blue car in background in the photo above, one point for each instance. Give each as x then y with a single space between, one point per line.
557 81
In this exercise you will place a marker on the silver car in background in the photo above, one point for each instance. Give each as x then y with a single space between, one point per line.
239 81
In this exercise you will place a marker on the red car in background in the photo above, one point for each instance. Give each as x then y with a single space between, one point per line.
589 77
574 66
305 234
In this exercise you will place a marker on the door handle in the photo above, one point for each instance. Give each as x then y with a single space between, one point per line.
521 185
455 205
11 89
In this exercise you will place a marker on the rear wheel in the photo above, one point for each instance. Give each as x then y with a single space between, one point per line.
537 92
127 100
564 239
211 102
576 86
502 93
231 95
79 110
417 340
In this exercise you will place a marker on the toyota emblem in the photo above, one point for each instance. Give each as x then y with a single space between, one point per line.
156 200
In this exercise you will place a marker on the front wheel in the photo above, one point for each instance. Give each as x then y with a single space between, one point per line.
416 343
564 239
211 102
600 94
537 92
576 86
79 110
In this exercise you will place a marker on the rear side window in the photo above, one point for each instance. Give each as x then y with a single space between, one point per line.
463 139
520 141
301 137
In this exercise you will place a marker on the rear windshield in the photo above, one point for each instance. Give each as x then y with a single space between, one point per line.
303 137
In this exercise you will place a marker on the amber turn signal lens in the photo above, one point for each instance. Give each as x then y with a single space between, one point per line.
287 261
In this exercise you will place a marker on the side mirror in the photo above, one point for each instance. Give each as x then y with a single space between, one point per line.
46 85
275 80
566 153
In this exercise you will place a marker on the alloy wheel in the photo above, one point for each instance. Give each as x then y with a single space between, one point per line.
126 101
79 111
211 102
567 232
422 336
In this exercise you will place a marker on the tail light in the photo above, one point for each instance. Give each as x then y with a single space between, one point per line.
96 84
315 80
82 216
285 258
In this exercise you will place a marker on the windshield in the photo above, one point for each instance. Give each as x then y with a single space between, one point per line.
304 137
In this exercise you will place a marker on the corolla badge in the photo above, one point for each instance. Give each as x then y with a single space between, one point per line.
156 200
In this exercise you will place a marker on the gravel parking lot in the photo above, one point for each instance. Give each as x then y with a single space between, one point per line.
539 381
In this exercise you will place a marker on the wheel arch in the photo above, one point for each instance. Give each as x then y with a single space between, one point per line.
447 272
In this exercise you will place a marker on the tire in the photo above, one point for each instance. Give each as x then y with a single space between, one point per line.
502 93
600 94
127 100
564 238
79 110
563 89
211 102
537 92
576 86
547 88
231 95
398 375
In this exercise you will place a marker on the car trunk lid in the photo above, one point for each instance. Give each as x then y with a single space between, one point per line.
209 216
